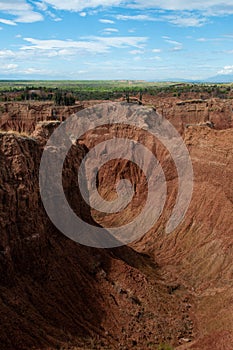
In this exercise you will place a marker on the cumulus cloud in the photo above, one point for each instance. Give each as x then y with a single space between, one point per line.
180 12
226 70
14 5
34 50
28 17
211 7
225 6
7 54
79 5
41 6
21 10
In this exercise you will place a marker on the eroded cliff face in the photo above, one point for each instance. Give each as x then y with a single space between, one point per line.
183 112
174 288
201 249
57 293
198 254
24 116
189 110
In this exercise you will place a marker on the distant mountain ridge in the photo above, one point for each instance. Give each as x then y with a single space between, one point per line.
223 78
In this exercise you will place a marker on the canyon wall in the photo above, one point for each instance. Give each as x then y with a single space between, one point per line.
23 116
174 289
55 293
198 254
194 111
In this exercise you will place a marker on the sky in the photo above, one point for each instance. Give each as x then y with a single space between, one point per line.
116 39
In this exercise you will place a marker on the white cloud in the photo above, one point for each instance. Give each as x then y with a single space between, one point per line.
176 48
122 41
182 20
110 30
37 51
10 67
53 16
41 6
79 5
135 18
177 45
205 9
6 54
173 42
88 44
7 21
106 21
21 10
180 10
56 45
203 40
225 6
226 70
186 20
32 71
82 71
14 5
156 50
28 17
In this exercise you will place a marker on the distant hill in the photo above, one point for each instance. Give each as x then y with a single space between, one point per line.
223 78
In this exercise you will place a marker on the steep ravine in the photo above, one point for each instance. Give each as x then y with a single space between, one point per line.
174 289
57 294
198 254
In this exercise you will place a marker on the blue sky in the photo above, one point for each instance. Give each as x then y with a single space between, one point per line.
115 39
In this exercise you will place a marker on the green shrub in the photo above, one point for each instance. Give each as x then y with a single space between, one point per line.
164 347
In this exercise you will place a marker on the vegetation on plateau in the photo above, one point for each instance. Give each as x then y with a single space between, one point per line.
67 92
